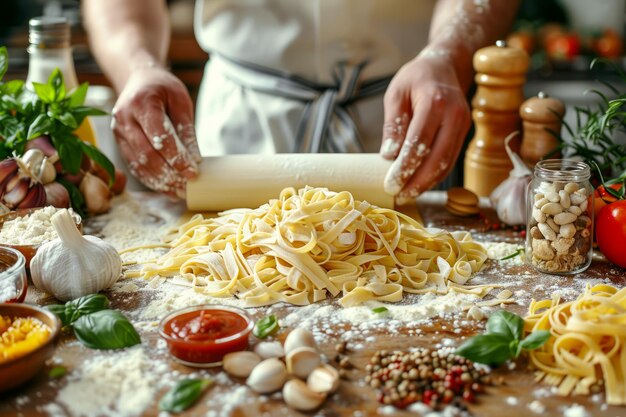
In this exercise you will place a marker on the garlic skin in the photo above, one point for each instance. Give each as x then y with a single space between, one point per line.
74 265
509 198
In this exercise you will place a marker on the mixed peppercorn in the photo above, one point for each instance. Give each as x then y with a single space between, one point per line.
434 377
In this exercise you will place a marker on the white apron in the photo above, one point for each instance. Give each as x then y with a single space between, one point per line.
301 75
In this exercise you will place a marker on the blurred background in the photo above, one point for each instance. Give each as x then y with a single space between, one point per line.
561 36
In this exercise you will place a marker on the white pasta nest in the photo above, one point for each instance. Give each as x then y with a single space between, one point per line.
312 243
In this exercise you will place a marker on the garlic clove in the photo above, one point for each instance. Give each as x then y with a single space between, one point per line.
96 193
47 172
268 376
268 350
57 195
35 197
240 364
298 338
299 396
302 361
324 378
8 169
17 188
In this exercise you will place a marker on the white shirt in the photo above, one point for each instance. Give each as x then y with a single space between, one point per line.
304 38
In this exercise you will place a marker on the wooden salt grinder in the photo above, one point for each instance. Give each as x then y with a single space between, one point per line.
501 74
540 115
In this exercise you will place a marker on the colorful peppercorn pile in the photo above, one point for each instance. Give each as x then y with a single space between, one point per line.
423 375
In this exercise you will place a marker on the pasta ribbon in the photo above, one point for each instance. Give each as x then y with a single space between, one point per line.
313 243
587 343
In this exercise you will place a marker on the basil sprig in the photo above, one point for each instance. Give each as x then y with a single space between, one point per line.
265 327
183 395
502 340
95 326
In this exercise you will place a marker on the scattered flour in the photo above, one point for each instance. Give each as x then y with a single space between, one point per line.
575 410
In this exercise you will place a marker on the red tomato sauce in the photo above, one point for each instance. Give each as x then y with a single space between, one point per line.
197 336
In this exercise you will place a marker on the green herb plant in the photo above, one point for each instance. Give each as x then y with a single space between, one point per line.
50 111
94 324
265 326
502 341
183 395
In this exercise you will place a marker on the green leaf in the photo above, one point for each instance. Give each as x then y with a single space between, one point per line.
535 340
105 329
44 92
81 112
266 326
99 158
4 61
59 311
488 349
513 255
40 126
77 95
82 306
57 372
506 324
12 88
77 201
55 81
380 310
70 152
68 120
183 395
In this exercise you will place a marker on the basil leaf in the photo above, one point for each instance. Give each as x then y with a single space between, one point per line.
4 61
265 326
40 126
80 112
77 201
55 81
59 311
105 329
535 340
57 372
99 158
380 310
70 154
44 92
77 95
506 324
488 349
68 120
82 306
183 395
12 88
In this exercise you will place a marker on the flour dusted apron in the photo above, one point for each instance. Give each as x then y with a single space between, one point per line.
301 75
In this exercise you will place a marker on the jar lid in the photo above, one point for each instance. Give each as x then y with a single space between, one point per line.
48 32
542 109
500 59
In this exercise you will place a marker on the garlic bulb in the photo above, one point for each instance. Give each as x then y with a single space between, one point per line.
74 265
509 198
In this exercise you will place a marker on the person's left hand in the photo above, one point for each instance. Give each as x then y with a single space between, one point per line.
426 119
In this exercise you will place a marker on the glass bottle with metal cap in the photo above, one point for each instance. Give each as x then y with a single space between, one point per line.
50 48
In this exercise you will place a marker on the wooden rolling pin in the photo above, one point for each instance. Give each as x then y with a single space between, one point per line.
234 181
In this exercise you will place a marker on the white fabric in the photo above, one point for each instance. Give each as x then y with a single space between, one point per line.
307 38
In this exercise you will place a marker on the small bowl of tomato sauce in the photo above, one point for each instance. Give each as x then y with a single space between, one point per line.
200 336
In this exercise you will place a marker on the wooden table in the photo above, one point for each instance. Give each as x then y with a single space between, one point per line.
354 398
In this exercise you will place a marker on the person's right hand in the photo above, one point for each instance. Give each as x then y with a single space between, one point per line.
153 126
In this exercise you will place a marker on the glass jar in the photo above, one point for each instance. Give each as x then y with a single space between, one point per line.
13 280
559 217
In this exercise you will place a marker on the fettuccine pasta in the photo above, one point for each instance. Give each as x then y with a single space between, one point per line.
587 344
312 243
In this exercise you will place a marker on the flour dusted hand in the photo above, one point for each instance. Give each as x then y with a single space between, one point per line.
153 125
426 119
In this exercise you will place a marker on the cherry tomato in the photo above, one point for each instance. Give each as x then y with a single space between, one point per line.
565 46
609 45
602 198
611 232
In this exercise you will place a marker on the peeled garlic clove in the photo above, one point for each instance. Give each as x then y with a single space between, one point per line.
268 376
323 379
299 396
240 364
302 361
299 338
268 350
96 192
47 172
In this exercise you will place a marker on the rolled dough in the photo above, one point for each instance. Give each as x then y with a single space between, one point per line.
234 181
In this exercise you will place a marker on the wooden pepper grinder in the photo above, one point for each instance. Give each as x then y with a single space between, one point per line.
501 74
541 116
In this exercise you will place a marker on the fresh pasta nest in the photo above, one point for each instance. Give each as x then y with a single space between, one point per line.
587 347
312 243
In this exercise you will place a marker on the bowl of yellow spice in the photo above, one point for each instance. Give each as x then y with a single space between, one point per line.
27 339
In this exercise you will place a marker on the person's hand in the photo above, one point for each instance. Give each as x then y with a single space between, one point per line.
153 125
426 119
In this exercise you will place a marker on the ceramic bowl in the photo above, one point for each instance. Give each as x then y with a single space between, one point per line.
21 369
29 251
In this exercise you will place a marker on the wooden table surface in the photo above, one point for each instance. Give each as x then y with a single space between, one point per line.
354 398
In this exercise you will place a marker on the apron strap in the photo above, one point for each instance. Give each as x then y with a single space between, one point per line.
326 124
